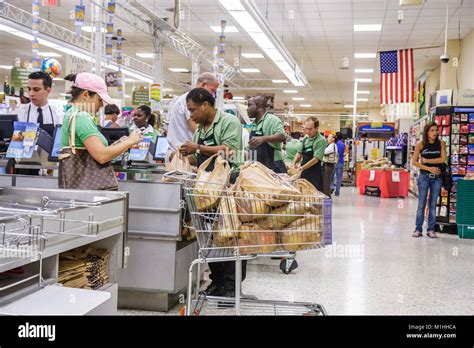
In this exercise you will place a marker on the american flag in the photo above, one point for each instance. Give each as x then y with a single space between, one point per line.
397 76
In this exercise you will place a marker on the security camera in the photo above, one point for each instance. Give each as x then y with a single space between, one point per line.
444 58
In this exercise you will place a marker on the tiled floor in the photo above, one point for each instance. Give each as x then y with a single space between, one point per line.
374 265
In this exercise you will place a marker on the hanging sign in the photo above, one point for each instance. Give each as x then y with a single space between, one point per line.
75 65
141 98
155 92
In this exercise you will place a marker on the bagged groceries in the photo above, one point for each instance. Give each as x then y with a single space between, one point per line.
304 230
249 208
179 165
253 241
228 222
284 215
292 171
210 184
265 184
311 194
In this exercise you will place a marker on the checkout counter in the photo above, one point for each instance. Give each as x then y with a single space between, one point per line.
157 259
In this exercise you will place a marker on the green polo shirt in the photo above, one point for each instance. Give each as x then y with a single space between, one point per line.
227 130
269 124
292 148
85 128
318 143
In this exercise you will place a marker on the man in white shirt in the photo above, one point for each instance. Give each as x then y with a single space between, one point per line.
39 111
181 128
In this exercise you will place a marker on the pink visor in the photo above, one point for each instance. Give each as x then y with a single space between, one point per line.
93 83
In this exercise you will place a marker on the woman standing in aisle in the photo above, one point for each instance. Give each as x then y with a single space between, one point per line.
330 159
84 150
429 156
143 120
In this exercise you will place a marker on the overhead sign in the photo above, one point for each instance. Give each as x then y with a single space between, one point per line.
19 77
75 65
141 98
444 97
112 79
377 128
155 92
464 97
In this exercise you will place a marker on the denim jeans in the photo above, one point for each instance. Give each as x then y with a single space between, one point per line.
337 176
433 185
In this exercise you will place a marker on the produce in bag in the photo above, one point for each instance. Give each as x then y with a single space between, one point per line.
228 223
179 166
249 208
209 185
282 216
292 171
265 184
301 231
253 240
311 194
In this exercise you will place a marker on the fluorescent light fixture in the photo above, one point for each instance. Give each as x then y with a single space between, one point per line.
127 79
49 54
362 99
290 91
89 29
239 98
253 55
297 98
126 96
363 80
64 94
280 81
76 52
305 105
228 29
250 70
247 14
363 71
363 92
348 106
167 89
365 55
7 67
367 27
179 70
145 55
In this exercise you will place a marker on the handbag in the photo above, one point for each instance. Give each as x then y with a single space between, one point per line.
332 157
79 170
446 178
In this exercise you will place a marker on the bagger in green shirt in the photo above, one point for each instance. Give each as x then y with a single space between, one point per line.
269 124
292 148
225 130
318 143
85 128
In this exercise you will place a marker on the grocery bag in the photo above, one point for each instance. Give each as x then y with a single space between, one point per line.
255 241
309 193
249 207
179 166
210 185
304 230
228 223
284 215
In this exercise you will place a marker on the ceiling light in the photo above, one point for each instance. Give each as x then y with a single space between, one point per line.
363 80
49 54
167 89
363 92
126 96
367 27
348 106
250 70
365 55
290 91
252 55
298 98
63 94
364 71
232 5
305 105
7 67
362 99
145 55
179 70
89 29
228 29
280 81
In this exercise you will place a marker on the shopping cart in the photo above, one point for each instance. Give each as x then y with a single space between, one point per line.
236 225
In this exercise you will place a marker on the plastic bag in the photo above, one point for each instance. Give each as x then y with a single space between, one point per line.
228 223
299 233
179 165
249 208
253 240
265 184
210 185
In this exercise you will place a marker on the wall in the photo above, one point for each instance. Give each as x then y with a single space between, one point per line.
375 114
448 71
432 84
466 62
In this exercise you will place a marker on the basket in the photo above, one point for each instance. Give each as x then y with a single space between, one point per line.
465 202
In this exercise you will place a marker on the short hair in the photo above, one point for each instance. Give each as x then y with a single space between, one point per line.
314 120
295 135
207 77
39 75
112 109
200 95
338 135
260 101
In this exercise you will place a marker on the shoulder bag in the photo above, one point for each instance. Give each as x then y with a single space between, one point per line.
79 170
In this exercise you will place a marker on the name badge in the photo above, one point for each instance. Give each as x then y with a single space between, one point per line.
209 142
259 133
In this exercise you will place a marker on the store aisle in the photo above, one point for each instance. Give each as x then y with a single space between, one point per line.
374 265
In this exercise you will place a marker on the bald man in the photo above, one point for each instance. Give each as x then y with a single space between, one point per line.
181 127
267 135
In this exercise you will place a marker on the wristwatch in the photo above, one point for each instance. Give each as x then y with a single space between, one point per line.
198 149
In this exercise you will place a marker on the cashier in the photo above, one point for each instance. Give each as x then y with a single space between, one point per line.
38 110
267 135
217 132
143 119
312 153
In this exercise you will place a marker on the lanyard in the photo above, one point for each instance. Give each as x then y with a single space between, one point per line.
51 112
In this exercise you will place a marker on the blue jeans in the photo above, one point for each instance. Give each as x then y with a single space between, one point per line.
337 174
433 185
